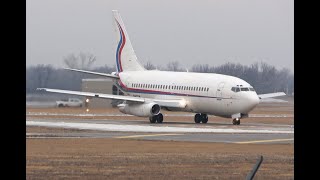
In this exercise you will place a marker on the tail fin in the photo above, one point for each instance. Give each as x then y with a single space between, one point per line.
126 58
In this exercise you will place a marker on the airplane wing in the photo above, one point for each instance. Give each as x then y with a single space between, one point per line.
271 95
94 73
165 103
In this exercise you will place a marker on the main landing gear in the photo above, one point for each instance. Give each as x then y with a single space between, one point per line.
157 118
201 118
236 121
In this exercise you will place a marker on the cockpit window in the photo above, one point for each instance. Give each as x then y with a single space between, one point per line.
251 89
235 89
244 89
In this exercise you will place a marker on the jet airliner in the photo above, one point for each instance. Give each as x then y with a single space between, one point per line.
146 92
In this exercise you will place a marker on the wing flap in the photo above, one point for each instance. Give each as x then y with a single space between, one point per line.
271 95
96 95
176 103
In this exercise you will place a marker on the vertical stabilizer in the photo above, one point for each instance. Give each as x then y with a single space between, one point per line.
126 59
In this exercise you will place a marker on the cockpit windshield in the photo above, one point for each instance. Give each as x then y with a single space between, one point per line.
237 89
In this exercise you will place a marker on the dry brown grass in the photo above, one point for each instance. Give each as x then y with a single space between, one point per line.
139 159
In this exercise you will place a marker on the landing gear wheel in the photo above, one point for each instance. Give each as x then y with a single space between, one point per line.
152 119
159 118
197 118
236 121
204 118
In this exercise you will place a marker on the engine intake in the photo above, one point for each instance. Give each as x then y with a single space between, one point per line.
142 110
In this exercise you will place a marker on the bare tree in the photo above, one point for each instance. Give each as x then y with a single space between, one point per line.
149 66
202 68
38 76
173 66
82 61
263 77
105 69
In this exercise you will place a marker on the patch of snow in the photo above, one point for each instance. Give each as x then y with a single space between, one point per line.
140 128
123 115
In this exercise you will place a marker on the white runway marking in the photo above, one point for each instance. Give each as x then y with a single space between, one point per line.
126 115
262 141
146 135
149 128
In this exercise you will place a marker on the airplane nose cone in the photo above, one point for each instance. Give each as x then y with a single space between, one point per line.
255 100
252 101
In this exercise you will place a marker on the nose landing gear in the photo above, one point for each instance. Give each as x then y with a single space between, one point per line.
236 121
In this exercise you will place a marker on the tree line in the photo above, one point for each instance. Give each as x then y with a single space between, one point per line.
263 77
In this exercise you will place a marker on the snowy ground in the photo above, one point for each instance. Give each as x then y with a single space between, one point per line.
150 128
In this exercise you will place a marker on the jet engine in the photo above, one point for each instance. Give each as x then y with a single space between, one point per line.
142 110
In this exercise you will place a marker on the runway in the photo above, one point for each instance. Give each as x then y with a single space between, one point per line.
246 133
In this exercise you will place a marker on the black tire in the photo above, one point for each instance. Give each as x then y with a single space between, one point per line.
197 118
235 122
152 119
60 105
159 118
204 118
80 105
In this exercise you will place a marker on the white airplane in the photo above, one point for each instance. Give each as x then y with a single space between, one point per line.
147 91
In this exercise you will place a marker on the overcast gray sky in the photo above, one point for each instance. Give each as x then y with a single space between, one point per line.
205 31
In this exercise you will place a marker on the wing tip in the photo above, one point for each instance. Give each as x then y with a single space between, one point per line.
41 89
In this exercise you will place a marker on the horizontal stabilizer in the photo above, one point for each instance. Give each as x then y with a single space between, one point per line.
94 73
271 95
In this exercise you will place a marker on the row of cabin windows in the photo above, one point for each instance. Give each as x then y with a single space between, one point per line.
156 86
237 89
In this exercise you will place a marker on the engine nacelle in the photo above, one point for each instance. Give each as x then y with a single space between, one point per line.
142 110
